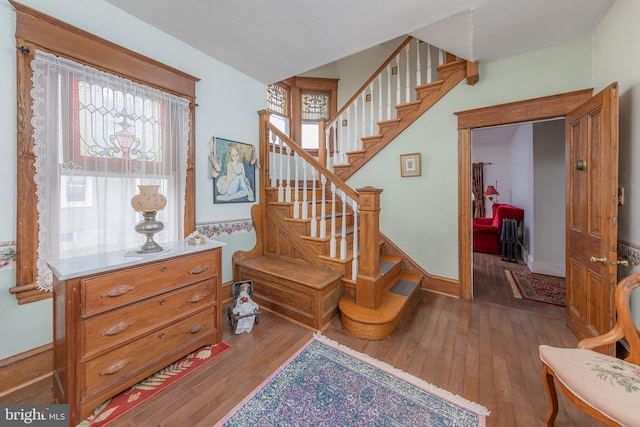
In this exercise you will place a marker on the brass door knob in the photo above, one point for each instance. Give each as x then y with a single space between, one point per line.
602 259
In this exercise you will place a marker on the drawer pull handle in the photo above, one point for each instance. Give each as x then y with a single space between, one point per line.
195 298
161 335
163 269
117 291
116 329
196 328
116 367
162 302
198 269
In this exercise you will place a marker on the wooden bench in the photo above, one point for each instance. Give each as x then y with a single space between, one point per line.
297 291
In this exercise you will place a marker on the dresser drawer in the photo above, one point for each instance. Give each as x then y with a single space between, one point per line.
123 363
114 328
107 291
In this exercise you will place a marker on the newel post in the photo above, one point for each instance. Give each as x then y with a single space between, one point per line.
367 283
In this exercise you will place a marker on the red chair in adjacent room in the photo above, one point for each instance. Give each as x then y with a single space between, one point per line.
486 231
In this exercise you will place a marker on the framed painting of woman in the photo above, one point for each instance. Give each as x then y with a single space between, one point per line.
233 171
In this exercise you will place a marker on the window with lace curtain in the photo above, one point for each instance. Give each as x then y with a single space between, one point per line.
98 136
114 119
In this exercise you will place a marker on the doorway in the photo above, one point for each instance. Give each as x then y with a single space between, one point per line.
532 110
525 164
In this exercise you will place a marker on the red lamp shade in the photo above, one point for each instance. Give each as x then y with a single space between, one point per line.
491 192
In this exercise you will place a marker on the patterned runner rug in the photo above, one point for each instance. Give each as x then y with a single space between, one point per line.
328 384
537 287
130 398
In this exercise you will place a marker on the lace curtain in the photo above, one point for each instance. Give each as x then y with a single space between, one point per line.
97 137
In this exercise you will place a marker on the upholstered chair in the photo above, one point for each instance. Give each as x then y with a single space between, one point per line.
605 387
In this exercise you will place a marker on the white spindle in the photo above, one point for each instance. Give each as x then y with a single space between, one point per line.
280 187
296 203
287 193
407 75
354 142
314 224
371 108
272 160
332 241
323 207
354 263
440 56
347 146
364 119
398 84
389 91
418 65
305 208
379 97
343 237
336 154
429 71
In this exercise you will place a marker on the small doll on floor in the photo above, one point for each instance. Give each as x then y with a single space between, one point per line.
244 307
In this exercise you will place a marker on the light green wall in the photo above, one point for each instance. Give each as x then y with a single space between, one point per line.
616 59
228 104
420 214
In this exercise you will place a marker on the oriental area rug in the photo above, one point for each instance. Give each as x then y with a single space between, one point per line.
130 398
537 287
327 384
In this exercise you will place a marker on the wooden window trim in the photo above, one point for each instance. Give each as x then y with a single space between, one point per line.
35 30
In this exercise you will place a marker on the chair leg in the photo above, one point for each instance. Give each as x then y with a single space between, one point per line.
552 411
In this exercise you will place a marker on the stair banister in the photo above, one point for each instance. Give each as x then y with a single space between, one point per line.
371 79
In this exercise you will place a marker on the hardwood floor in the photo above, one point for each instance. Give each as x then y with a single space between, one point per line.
485 350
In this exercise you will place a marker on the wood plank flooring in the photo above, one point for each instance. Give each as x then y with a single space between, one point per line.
485 350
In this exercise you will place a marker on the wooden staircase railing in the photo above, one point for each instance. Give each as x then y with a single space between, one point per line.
409 82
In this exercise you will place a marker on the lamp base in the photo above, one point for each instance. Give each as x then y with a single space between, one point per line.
149 226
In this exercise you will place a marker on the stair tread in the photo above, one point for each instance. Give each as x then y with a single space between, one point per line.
404 287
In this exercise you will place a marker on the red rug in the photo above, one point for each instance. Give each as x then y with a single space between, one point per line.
130 398
537 287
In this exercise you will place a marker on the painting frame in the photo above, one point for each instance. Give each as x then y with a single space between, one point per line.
410 164
233 171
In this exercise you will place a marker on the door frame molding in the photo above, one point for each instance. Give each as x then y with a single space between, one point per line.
536 109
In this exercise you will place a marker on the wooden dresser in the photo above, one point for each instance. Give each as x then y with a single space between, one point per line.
119 319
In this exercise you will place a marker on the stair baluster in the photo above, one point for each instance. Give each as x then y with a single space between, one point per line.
418 64
305 207
280 185
288 183
272 160
314 219
343 237
354 263
332 241
323 207
296 203
408 74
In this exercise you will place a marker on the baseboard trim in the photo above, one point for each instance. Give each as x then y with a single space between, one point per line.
25 368
442 285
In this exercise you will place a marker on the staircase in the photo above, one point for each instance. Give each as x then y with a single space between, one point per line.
319 251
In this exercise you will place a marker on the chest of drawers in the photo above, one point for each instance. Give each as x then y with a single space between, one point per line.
118 320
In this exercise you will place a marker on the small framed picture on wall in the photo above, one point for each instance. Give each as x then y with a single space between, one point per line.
410 164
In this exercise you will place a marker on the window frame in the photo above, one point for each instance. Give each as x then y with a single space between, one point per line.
299 85
35 30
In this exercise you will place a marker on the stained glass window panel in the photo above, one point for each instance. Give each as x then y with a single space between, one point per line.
315 106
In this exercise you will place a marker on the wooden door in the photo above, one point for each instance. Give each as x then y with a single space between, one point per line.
592 214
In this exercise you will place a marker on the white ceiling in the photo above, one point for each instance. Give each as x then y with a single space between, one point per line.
271 40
